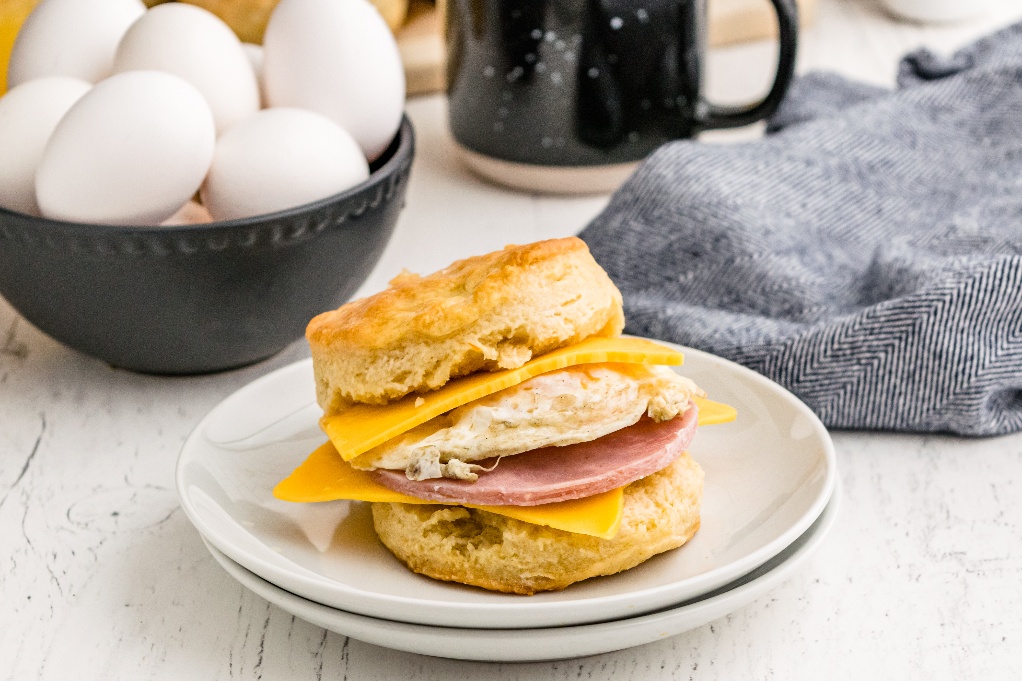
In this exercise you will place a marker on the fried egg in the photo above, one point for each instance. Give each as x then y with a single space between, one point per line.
577 404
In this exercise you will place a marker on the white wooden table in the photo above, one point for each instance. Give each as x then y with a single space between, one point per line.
102 577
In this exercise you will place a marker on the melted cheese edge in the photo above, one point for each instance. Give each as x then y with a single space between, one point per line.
324 476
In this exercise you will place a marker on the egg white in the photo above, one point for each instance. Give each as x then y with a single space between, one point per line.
577 404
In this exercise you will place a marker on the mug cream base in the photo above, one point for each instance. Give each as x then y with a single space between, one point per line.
548 179
937 11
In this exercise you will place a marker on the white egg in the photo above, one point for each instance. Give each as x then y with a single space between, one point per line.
131 151
337 58
255 57
28 115
76 38
198 46
279 159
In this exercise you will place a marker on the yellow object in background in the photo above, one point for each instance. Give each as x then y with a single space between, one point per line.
394 12
12 15
247 18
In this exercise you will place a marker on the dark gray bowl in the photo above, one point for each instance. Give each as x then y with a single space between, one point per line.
201 298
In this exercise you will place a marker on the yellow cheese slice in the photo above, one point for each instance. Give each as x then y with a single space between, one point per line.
324 476
362 427
711 413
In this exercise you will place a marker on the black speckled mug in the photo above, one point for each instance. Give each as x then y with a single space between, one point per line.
568 95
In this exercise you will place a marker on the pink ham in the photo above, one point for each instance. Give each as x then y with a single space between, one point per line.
551 474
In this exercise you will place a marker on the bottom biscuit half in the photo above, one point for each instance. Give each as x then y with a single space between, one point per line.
469 546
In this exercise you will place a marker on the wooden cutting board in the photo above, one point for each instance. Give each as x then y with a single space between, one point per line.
422 48
731 21
739 21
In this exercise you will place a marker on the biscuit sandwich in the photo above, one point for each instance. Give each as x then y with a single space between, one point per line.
505 433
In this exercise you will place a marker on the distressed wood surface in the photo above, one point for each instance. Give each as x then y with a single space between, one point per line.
102 577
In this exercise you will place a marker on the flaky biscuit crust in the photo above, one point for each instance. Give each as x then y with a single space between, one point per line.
470 546
489 312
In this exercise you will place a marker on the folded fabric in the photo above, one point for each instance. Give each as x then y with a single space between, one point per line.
866 253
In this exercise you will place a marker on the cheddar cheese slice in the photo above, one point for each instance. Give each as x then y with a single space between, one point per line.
324 476
712 413
362 427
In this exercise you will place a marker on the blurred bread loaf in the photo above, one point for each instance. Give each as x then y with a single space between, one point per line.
248 18
394 12
489 312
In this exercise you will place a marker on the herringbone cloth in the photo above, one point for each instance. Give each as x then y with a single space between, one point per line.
866 253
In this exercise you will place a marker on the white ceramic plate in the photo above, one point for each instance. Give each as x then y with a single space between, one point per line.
534 645
768 477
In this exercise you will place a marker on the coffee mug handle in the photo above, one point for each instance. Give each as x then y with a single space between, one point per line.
715 116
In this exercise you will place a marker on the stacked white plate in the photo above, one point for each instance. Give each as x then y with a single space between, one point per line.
770 498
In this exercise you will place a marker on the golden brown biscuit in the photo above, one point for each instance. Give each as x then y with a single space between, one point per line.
458 544
489 312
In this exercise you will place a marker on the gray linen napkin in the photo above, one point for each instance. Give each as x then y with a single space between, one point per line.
866 253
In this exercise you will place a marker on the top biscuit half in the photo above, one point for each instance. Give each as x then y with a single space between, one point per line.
489 312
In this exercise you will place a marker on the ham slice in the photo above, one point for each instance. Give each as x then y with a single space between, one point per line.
551 474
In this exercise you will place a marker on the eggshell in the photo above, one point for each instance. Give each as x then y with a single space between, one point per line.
76 38
132 151
28 115
196 45
338 59
255 57
278 159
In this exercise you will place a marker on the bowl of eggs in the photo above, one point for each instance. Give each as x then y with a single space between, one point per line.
174 201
